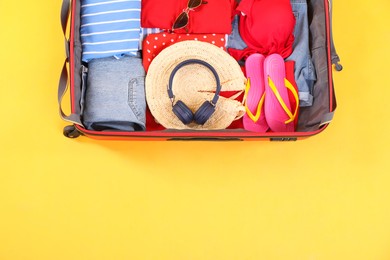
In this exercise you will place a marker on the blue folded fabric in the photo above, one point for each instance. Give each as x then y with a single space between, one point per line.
305 74
115 95
110 28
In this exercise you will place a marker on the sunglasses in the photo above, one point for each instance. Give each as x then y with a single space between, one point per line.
183 18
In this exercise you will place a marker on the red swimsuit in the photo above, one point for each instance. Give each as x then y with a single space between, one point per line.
267 26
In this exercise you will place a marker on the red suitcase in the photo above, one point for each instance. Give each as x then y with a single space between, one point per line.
312 120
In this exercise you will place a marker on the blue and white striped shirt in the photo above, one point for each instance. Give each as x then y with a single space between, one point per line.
110 28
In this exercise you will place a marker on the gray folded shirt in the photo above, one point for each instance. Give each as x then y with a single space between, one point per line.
115 95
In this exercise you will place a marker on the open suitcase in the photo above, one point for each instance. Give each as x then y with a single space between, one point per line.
311 121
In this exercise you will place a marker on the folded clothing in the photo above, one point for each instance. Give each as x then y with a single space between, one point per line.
304 69
153 44
234 40
213 17
109 28
115 95
145 32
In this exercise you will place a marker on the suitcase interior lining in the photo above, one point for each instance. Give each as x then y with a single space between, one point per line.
310 118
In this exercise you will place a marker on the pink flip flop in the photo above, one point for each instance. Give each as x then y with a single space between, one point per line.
277 108
254 118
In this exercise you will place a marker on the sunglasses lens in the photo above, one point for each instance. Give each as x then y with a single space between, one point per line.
181 21
194 3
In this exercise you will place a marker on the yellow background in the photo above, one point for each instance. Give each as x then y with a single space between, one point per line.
326 197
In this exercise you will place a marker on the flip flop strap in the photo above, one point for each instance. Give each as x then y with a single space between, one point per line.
290 87
255 117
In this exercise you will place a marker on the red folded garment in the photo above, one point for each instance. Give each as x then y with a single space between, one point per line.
215 16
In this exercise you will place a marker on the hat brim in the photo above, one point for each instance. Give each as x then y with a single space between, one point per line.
194 84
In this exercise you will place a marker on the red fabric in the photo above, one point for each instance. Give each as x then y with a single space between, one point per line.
153 44
289 65
267 26
151 124
213 17
241 54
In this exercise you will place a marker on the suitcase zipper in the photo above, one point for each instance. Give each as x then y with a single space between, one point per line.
84 75
334 57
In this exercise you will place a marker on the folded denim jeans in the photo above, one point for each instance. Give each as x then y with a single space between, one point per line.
305 75
234 39
115 95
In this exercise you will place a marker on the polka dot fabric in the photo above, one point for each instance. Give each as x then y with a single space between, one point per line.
153 44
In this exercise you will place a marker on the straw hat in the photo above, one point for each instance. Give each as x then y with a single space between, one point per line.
194 84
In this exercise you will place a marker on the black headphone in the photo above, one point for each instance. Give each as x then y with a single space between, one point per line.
181 110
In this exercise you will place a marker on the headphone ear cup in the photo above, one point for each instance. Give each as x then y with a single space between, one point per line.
183 112
204 112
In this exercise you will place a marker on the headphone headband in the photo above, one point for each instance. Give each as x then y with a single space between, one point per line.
195 61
